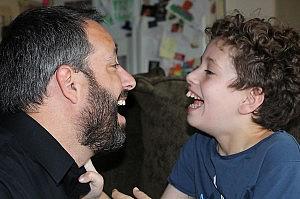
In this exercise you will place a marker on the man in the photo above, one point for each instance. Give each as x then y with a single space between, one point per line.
60 84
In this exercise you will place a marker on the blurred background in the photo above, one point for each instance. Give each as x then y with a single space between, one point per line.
165 33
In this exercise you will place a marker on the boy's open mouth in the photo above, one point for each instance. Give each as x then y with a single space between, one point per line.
196 100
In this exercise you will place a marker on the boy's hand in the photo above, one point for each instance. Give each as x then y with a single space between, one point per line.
94 179
136 192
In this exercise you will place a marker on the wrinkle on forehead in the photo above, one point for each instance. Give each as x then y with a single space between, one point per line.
100 38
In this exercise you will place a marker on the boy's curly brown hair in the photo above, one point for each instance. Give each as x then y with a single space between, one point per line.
266 56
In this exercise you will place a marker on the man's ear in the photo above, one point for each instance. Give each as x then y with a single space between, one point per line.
254 98
65 76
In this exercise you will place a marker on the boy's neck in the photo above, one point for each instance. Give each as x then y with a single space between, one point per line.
229 145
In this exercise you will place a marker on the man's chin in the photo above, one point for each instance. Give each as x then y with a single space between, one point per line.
117 141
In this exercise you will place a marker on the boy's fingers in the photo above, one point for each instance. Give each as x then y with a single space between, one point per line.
139 194
96 183
118 195
89 166
95 179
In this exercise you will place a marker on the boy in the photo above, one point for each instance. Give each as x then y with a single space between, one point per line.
245 91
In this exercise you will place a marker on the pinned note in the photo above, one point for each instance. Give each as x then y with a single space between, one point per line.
168 47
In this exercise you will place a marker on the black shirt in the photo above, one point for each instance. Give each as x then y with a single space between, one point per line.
33 165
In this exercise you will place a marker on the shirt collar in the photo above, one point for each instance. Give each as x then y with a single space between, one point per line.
47 151
38 142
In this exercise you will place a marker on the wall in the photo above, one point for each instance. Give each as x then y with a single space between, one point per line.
289 12
252 8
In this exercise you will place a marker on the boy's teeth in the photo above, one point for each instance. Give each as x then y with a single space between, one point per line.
192 95
189 93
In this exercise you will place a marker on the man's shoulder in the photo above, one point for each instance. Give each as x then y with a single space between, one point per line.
11 154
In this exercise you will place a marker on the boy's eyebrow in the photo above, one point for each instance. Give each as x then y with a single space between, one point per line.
209 59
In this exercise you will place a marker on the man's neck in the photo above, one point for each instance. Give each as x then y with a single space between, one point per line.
65 134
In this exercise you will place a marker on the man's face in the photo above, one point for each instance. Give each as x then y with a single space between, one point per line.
101 123
101 130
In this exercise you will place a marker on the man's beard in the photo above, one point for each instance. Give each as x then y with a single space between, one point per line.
100 129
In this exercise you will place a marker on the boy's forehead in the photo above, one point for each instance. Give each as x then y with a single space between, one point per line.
223 46
220 54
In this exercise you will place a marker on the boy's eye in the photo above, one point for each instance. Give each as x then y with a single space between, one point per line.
208 72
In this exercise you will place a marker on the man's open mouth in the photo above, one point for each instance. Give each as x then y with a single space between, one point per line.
121 110
122 98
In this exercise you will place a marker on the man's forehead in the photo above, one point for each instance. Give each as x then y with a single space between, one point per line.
113 54
101 40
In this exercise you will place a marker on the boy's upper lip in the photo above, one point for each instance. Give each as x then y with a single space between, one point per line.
193 94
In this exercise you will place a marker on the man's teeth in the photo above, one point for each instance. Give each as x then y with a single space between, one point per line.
121 102
192 95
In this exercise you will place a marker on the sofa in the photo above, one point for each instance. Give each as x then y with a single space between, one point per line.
156 129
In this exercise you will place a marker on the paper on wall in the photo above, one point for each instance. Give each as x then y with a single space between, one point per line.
192 16
168 47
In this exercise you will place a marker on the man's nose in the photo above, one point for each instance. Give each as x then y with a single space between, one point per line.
128 82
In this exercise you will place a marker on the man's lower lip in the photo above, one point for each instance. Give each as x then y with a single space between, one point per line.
121 119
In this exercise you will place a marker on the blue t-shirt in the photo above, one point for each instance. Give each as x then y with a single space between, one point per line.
268 170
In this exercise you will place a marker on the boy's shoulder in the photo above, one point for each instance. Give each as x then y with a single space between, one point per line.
283 147
200 138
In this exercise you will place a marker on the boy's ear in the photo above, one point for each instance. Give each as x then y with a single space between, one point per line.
253 100
65 77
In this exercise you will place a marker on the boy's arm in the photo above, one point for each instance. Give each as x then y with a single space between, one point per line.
95 181
104 196
172 193
136 192
169 193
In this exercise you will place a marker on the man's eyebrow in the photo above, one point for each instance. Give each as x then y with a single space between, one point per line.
114 55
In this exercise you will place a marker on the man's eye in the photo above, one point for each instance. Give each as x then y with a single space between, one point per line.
116 65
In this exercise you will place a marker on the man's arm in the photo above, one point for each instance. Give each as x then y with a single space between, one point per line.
172 193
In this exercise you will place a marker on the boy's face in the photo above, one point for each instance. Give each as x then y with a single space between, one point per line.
215 108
